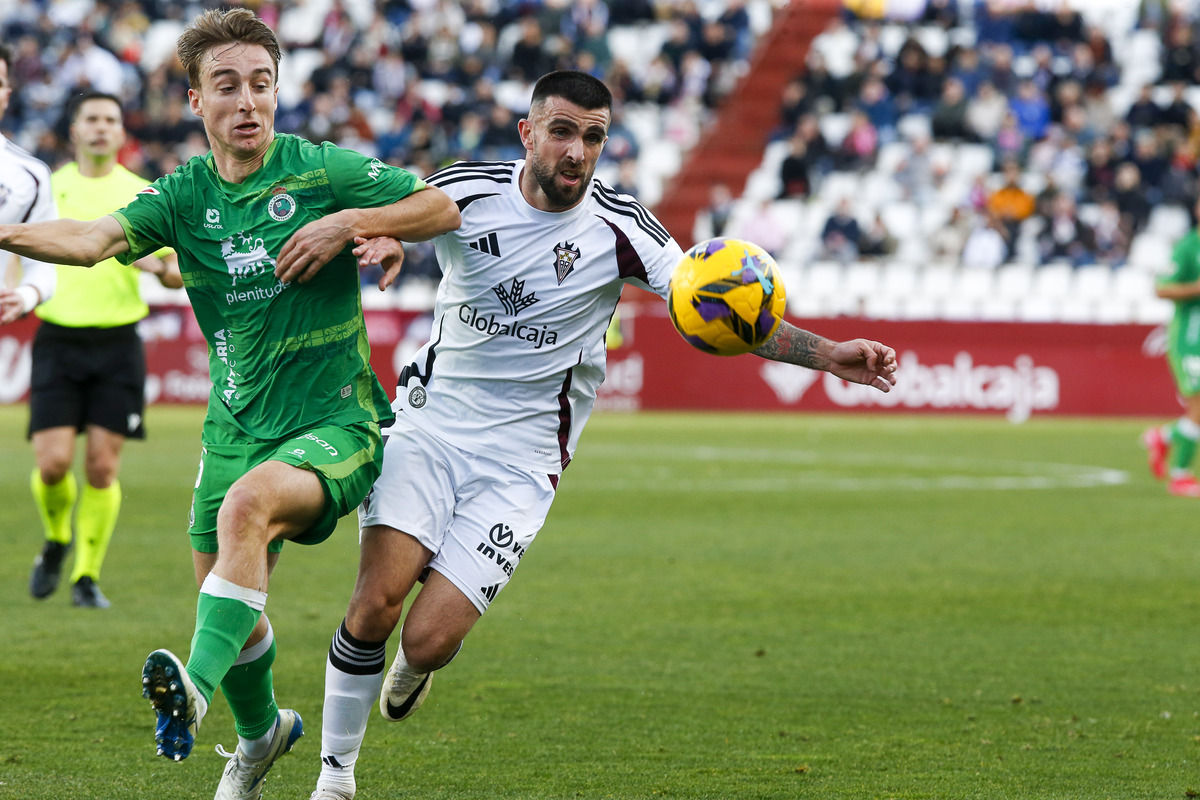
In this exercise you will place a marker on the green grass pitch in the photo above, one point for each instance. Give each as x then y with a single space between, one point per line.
720 607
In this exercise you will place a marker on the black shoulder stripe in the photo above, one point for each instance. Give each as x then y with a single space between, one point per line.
471 176
483 169
626 201
466 201
37 191
651 229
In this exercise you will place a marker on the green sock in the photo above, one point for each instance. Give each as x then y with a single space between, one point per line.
54 504
251 693
222 627
95 520
1183 450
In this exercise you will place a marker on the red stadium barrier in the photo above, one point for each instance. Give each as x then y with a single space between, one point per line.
1014 369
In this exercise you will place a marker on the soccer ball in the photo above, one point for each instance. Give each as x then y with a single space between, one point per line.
726 297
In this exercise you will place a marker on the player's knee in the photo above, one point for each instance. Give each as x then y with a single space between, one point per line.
429 649
374 612
242 515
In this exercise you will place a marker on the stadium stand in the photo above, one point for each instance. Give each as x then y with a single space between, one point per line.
1098 103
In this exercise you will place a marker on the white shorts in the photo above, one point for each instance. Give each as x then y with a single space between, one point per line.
478 516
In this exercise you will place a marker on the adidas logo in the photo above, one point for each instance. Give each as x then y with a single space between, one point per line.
490 592
488 244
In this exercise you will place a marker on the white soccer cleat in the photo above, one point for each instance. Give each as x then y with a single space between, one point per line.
331 794
243 778
403 690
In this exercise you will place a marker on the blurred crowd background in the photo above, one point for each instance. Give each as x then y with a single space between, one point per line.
973 158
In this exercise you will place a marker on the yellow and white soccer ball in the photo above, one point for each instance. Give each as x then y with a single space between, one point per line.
726 297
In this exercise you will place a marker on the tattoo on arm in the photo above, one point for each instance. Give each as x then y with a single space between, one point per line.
793 345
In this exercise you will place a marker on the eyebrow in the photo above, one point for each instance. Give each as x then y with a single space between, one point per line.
220 73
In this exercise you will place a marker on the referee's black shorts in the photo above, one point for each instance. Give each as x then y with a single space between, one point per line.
88 376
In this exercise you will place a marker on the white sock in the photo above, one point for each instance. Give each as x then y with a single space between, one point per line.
353 678
257 749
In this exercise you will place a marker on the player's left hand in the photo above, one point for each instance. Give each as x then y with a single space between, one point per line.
866 362
311 248
383 251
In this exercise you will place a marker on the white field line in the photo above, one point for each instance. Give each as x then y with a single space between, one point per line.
656 467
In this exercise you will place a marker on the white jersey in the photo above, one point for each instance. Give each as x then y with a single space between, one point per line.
25 197
517 350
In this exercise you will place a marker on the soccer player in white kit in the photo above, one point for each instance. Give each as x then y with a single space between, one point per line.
489 412
25 196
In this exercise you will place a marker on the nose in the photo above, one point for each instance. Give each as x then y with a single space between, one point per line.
575 150
245 98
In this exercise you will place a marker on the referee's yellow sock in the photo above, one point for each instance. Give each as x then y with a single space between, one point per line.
94 522
54 504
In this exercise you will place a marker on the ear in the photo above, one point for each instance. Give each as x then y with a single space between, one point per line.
525 129
194 101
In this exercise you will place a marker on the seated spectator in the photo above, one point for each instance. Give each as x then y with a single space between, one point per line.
876 241
861 145
1143 112
968 69
1065 237
947 242
1177 113
1131 198
986 110
916 174
796 103
795 172
819 153
876 102
841 234
715 216
1011 204
1000 69
949 118
1010 142
764 229
909 82
626 181
1112 235
1031 109
1101 176
987 245
1151 163
1179 55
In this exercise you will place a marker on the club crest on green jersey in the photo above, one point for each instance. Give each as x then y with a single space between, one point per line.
282 205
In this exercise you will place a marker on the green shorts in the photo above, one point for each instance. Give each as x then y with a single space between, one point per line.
346 459
1183 355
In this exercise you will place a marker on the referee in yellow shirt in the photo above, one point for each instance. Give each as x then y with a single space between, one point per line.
89 366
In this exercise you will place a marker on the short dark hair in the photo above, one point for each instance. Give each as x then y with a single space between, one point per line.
579 88
92 94
6 55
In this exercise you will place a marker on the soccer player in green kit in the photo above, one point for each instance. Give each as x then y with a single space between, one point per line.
263 226
1172 448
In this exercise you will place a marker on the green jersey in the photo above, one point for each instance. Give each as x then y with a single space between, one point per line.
1185 260
283 357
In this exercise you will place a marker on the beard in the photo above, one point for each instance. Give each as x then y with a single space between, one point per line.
561 197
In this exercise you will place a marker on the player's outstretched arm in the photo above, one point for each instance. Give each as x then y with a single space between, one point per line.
421 216
66 241
858 360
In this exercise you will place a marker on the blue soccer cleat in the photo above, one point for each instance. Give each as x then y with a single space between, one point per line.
166 684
